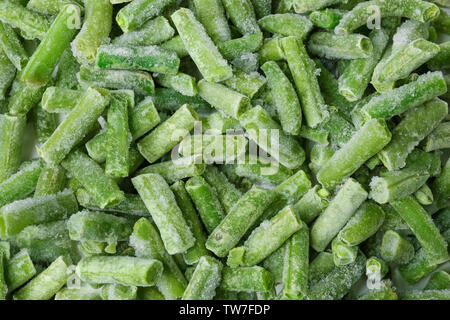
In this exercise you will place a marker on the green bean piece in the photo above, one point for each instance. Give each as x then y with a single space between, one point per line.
438 138
75 126
230 102
440 60
424 229
338 282
441 186
348 199
168 134
153 32
142 118
148 58
206 202
242 15
343 254
118 292
50 7
271 50
45 242
305 79
339 129
98 226
168 100
22 183
311 204
399 100
12 131
19 269
103 189
396 184
96 28
419 10
6 79
258 124
248 84
303 6
47 283
428 295
439 280
211 15
44 123
148 244
442 22
365 223
23 97
51 180
39 69
32 24
205 280
193 254
326 18
296 265
118 144
60 99
108 269
334 46
262 172
135 14
376 266
139 81
83 293
175 232
132 204
288 105
200 47
364 144
149 293
21 213
418 268
235 48
181 82
354 80
396 249
12 47
68 68
287 24
270 235
246 279
320 267
240 218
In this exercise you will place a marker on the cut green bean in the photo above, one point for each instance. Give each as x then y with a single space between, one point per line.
235 48
305 79
75 126
12 130
51 180
47 283
242 15
419 10
205 280
396 249
148 244
333 46
206 202
39 69
175 232
348 199
287 24
439 280
200 47
424 229
12 47
168 134
364 144
19 269
240 218
139 81
32 24
311 204
108 269
96 28
153 32
246 279
423 119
